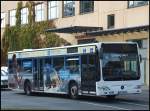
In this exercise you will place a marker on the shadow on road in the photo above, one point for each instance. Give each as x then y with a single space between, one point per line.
81 98
101 99
45 95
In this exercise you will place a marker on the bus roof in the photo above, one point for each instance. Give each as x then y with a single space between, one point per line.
79 45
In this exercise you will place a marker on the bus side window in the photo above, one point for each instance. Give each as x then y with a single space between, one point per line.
58 63
58 67
19 69
97 68
47 71
10 68
94 67
72 64
27 66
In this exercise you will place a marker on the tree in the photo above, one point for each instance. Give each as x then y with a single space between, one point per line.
5 46
31 35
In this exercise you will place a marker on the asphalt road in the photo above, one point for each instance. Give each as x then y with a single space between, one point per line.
16 100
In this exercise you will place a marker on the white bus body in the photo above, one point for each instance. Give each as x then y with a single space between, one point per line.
97 69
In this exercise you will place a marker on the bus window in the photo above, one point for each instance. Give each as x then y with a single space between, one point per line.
58 63
72 64
19 65
27 66
92 67
18 68
120 62
10 67
47 71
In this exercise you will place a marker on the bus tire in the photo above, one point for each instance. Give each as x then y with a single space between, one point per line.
111 97
73 91
27 88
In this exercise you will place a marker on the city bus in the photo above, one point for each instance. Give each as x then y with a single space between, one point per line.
95 69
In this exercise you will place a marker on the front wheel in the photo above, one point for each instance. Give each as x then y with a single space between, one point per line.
27 88
73 91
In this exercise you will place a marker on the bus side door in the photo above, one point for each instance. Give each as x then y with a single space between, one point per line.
88 72
38 74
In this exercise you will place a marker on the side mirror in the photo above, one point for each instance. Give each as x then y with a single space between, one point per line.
140 57
101 53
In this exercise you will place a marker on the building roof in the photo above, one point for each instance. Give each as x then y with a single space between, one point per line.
120 30
75 29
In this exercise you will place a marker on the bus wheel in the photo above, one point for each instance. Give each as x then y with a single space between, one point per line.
27 88
111 97
73 91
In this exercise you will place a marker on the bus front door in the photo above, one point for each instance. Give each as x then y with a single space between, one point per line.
88 73
38 74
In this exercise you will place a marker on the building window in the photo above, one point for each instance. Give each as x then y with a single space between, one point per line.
110 21
52 10
86 6
39 12
132 4
69 8
24 15
3 17
12 19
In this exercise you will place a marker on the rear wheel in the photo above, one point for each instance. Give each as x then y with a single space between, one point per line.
27 88
73 91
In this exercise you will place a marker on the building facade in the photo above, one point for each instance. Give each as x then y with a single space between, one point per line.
110 15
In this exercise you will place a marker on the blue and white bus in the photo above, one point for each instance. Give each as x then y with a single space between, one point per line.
96 69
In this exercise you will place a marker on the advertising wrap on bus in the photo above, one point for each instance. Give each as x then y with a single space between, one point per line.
97 69
56 79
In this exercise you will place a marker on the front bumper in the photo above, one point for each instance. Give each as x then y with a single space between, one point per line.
118 91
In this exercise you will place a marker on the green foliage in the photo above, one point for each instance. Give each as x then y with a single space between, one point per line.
31 16
52 40
5 46
18 14
31 35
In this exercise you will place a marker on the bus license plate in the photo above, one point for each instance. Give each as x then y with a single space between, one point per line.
122 92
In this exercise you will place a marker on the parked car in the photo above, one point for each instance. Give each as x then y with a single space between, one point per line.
4 77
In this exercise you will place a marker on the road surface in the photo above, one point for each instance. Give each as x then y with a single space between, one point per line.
16 100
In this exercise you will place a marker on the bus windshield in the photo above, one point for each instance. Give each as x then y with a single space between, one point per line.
120 62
